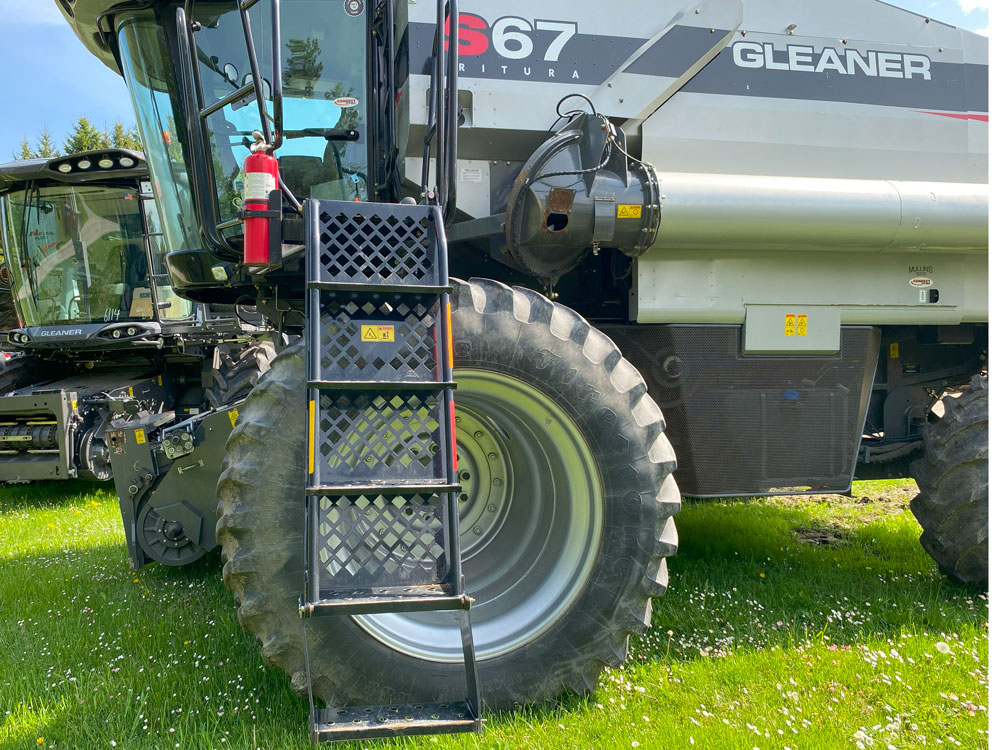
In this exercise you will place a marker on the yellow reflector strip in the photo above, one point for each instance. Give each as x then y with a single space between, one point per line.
312 438
451 341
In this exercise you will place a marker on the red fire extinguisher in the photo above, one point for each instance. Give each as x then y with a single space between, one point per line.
260 172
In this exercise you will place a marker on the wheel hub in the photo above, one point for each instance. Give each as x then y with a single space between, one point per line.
484 470
530 519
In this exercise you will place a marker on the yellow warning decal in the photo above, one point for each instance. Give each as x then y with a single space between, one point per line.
234 414
629 212
789 325
130 394
378 334
796 325
140 436
73 404
894 351
159 380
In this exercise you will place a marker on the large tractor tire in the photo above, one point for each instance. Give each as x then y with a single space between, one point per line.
953 478
238 372
18 372
566 517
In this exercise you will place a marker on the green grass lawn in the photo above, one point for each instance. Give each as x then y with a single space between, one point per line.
789 622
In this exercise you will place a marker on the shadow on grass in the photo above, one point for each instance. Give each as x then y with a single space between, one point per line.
41 495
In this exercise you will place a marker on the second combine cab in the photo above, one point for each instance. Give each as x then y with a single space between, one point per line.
99 329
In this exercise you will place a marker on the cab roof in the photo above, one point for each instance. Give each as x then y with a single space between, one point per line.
84 167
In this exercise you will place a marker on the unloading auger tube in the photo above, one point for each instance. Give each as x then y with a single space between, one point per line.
581 191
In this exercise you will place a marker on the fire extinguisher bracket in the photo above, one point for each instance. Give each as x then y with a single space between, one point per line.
262 209
253 213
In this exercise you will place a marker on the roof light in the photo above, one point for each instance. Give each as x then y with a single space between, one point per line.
65 167
105 163
83 164
126 161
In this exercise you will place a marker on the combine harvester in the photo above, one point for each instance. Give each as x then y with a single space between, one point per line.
753 230
98 322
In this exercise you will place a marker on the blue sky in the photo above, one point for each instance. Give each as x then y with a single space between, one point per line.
86 87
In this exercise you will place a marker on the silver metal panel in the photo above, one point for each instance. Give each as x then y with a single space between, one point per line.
694 286
791 329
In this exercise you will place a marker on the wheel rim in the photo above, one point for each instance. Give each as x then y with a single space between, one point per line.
530 516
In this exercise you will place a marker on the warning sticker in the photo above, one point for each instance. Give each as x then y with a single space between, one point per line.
159 380
257 186
894 351
234 414
131 393
378 334
629 212
796 325
140 436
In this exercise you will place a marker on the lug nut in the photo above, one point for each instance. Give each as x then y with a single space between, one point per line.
491 508
478 435
498 482
492 456
477 529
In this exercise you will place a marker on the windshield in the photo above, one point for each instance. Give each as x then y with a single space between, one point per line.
75 255
324 154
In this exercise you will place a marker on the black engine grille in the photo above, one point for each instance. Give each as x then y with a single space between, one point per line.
754 425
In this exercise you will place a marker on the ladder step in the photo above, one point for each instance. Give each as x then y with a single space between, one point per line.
371 722
392 386
384 489
343 286
429 598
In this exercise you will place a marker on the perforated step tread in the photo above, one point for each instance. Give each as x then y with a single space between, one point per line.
428 598
391 386
370 722
374 488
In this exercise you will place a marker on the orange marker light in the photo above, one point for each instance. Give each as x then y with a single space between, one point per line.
450 340
312 435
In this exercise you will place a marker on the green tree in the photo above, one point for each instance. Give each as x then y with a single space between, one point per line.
86 137
122 137
44 147
25 151
303 67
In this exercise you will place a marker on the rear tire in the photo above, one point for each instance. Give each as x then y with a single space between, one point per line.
18 372
238 372
953 477
519 341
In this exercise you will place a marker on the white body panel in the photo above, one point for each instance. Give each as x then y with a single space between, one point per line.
879 111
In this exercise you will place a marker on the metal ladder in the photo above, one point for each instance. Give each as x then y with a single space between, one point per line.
382 516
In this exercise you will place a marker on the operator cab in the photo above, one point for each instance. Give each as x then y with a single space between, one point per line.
205 76
74 234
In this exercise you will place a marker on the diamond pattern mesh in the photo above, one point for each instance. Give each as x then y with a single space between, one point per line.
381 540
370 339
362 245
384 437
